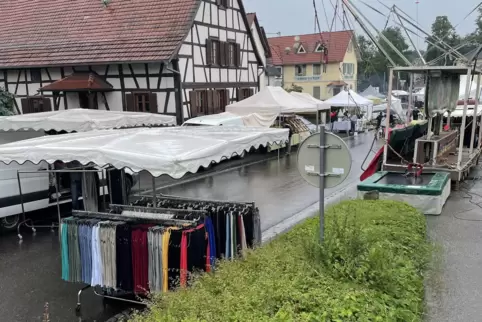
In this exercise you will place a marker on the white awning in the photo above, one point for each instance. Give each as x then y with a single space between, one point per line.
172 151
272 100
82 120
459 112
310 99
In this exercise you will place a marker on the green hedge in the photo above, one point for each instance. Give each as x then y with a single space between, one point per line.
370 268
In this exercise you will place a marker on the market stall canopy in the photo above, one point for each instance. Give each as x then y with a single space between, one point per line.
82 120
399 93
420 94
171 151
307 97
272 100
254 119
459 112
463 86
372 91
349 99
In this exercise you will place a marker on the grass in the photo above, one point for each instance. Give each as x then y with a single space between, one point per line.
370 268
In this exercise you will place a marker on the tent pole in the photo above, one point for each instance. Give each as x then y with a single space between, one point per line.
464 118
474 116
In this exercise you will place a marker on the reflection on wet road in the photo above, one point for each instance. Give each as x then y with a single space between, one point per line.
30 272
274 185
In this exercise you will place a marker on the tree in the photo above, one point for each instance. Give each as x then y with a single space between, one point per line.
367 52
6 103
294 88
395 36
441 29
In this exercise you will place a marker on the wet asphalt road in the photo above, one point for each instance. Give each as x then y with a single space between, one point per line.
30 271
454 285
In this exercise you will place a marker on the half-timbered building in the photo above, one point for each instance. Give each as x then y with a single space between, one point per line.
177 57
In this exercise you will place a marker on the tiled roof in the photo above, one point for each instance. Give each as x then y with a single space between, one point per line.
79 81
62 32
337 42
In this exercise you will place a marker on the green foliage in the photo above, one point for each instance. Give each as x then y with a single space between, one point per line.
370 268
441 29
6 103
294 88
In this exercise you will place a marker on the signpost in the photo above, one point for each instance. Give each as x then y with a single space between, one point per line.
324 161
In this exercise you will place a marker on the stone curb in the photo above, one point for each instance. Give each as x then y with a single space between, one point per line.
346 193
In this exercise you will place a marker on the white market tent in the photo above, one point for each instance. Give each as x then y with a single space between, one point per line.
372 91
254 119
459 112
351 99
82 120
399 93
172 151
307 97
273 100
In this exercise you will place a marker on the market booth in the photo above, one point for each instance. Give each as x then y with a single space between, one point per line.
107 247
38 188
323 109
276 101
354 103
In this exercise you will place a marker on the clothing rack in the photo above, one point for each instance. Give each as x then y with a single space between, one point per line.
258 233
131 218
134 222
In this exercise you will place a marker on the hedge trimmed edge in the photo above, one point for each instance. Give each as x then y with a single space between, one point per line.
370 268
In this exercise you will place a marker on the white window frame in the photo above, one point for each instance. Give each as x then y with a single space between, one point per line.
304 70
348 69
313 69
319 87
318 49
301 48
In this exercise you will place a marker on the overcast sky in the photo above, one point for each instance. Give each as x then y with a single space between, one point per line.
292 17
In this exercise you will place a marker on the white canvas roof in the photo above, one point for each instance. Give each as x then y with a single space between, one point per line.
254 119
349 99
173 151
271 100
459 112
308 98
82 120
372 91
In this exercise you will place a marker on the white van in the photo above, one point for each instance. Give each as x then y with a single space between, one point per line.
38 189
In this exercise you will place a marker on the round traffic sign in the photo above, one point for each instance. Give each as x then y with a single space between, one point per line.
337 160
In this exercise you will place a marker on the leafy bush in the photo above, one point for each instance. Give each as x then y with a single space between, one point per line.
370 268
6 103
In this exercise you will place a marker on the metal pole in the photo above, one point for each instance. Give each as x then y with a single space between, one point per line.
410 100
464 117
59 217
322 184
154 197
474 117
387 120
21 195
104 185
317 120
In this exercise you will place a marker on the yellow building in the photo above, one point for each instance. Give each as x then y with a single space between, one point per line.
322 64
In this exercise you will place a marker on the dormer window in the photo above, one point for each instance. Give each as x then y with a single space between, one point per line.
301 50
319 48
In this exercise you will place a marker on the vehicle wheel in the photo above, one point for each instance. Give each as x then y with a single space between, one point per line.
9 223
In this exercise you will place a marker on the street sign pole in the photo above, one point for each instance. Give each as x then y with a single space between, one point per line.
323 162
322 183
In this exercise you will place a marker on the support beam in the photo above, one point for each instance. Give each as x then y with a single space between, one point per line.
464 118
387 120
474 118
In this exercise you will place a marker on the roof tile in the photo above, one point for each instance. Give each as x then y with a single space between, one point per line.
337 42
42 33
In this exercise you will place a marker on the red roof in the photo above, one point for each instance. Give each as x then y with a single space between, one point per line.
62 32
79 82
337 42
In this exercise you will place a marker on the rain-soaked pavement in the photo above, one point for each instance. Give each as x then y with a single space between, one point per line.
30 271
454 285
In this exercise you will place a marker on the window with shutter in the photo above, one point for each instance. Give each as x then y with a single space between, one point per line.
223 3
130 104
223 57
209 49
231 54
215 52
238 55
192 101
200 102
36 105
